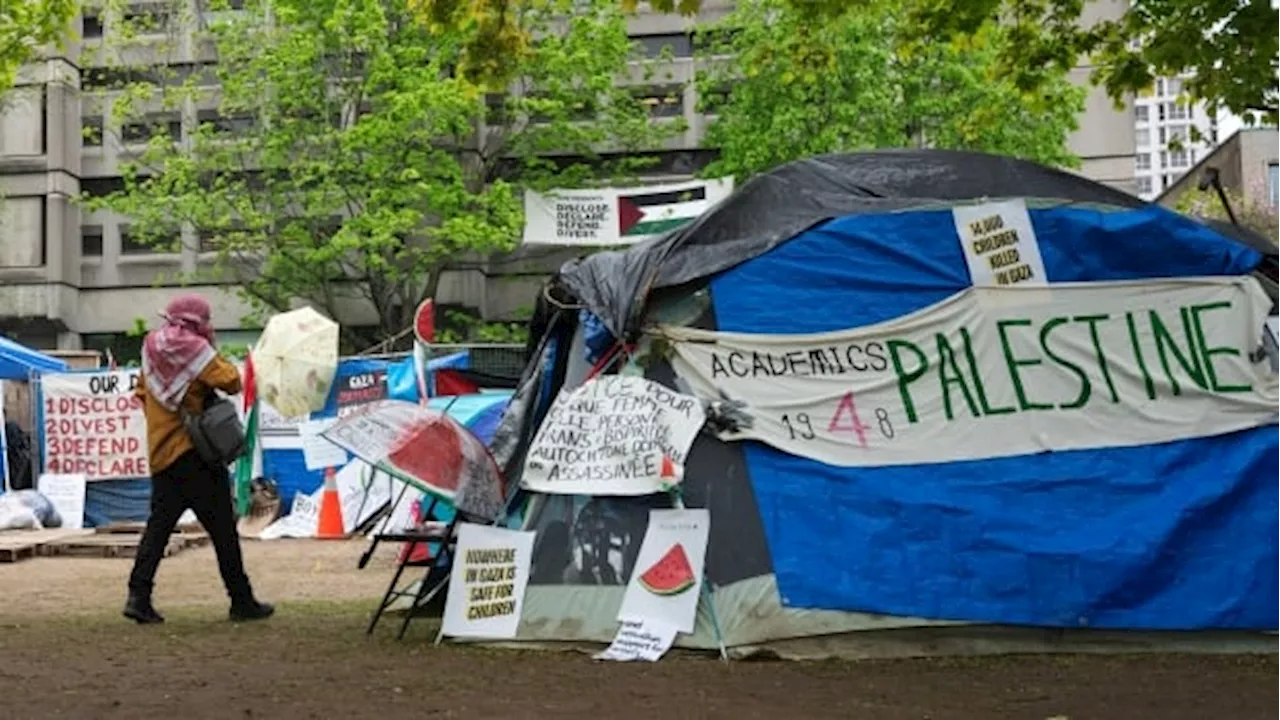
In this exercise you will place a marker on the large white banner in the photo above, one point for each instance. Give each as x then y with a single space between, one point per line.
617 216
93 425
614 435
994 372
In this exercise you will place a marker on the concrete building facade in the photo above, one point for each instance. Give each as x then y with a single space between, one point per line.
72 279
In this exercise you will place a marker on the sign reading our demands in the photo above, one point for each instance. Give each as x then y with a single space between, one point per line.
1084 365
93 425
614 435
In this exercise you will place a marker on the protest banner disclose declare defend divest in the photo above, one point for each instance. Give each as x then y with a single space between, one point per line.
92 424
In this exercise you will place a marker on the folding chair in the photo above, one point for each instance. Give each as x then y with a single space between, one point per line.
438 566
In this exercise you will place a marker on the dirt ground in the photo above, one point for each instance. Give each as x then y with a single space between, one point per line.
65 652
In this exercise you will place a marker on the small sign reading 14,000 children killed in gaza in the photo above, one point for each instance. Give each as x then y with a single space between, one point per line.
1001 371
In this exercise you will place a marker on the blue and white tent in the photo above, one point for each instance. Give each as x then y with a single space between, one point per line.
986 403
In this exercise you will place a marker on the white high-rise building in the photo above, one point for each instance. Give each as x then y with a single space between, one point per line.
1171 135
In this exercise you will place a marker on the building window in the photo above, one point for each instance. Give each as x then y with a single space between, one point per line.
713 99
1142 137
1160 114
1178 158
144 130
132 244
1177 111
1174 86
230 125
663 102
1162 135
91 131
92 27
91 240
1160 86
1142 113
1164 158
1177 133
1164 181
1144 185
1143 161
147 18
1273 184
677 45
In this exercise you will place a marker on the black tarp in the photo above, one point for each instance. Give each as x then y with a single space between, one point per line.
774 207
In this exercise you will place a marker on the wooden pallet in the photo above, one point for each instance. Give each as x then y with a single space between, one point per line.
13 553
18 545
117 545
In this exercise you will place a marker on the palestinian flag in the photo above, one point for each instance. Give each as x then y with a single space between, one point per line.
250 463
653 213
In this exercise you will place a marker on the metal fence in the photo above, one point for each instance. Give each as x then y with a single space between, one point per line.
502 360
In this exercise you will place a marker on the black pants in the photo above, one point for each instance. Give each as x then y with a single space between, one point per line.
192 483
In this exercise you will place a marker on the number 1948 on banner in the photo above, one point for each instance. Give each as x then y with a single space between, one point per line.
1087 365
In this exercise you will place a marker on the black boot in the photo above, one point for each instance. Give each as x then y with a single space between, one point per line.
138 608
250 609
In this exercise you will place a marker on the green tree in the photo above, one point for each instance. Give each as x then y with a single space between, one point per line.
785 87
1251 210
349 164
25 26
1230 46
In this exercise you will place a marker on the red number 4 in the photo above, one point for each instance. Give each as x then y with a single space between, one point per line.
853 424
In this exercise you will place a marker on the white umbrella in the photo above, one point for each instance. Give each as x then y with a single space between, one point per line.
294 361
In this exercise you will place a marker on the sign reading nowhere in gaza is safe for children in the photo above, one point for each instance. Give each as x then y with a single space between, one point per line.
487 583
1087 365
614 435
93 425
1000 246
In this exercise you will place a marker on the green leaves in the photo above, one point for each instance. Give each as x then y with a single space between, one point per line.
863 78
26 25
347 162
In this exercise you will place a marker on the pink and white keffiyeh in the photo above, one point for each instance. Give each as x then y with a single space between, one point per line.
175 354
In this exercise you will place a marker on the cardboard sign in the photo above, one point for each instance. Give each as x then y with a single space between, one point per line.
1100 364
92 424
66 492
667 579
1000 245
615 435
487 583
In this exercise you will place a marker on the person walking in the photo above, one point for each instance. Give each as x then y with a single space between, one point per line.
180 368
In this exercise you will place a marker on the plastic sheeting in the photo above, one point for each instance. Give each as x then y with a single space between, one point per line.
778 205
1172 536
17 362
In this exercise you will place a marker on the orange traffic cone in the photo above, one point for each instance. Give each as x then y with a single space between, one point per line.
330 525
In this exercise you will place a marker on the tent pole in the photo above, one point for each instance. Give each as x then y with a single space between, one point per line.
677 500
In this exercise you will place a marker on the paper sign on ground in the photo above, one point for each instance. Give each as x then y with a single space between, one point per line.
301 522
667 578
93 425
487 582
614 435
640 639
1000 245
66 492
1101 364
318 452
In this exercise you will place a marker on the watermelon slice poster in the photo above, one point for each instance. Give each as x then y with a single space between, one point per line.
667 580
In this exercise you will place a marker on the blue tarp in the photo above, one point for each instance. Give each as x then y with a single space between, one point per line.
1179 535
17 362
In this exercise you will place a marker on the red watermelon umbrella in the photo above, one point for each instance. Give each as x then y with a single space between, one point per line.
427 449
